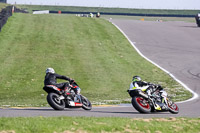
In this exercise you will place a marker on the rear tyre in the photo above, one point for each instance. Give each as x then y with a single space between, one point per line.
141 105
173 108
86 103
55 102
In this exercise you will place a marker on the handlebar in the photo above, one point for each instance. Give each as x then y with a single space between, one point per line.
71 81
157 86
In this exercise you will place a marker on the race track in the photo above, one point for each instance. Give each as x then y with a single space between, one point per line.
174 46
107 111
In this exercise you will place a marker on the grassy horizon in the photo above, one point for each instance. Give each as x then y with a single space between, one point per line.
108 10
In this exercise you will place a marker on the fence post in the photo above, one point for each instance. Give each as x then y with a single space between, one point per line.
13 9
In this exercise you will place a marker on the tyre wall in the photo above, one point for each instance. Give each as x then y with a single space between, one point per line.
126 14
6 13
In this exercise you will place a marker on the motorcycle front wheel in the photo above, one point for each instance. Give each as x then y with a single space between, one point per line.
86 103
55 102
173 108
141 105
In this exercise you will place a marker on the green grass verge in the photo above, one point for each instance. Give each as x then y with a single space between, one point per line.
108 10
90 50
98 125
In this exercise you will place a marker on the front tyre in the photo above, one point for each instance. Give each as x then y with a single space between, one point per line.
55 102
86 103
173 108
141 105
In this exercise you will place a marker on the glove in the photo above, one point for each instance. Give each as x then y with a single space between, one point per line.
158 87
71 81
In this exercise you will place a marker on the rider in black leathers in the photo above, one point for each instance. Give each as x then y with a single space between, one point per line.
51 76
197 18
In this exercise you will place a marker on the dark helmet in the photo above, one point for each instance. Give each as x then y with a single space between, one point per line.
136 78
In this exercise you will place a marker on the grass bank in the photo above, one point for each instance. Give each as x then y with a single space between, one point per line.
98 125
90 50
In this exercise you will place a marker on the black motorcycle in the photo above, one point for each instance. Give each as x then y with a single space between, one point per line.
59 99
158 101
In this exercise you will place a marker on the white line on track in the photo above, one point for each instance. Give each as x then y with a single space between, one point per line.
195 95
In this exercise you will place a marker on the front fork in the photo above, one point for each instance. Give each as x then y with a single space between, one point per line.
164 101
78 99
156 106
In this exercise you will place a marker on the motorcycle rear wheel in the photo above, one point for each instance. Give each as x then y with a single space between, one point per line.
86 103
54 102
141 105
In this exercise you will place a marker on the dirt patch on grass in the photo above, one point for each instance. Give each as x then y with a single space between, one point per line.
8 131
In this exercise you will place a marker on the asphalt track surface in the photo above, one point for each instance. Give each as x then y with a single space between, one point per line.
175 46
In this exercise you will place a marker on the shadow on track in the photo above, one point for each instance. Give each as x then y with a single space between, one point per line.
46 109
82 110
190 26
112 112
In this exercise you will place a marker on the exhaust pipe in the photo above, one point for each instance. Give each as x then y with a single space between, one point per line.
143 95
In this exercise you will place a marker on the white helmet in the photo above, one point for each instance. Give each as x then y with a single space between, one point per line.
137 78
50 70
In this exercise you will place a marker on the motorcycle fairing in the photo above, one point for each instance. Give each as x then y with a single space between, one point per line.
137 92
52 88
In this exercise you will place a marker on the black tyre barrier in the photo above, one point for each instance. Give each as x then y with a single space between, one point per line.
6 13
125 14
